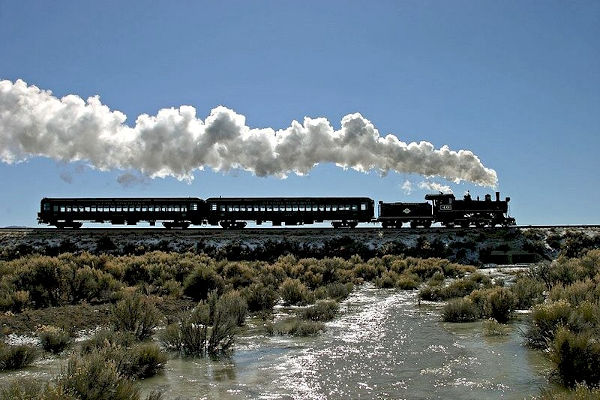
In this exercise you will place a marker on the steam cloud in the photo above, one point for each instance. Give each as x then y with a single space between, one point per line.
175 142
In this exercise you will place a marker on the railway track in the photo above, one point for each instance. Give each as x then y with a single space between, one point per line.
275 230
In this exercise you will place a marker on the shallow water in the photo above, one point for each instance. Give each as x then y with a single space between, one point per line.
384 345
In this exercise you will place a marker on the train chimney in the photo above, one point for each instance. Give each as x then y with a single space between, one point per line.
497 196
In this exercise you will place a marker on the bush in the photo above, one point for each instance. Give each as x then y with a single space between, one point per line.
235 305
502 302
196 335
528 291
460 310
16 357
260 297
142 361
577 357
491 327
408 281
95 378
323 310
133 360
202 281
339 291
137 314
53 339
189 336
293 292
544 322
298 327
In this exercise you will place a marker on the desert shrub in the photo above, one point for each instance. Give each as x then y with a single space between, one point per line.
137 314
502 303
132 359
224 327
297 327
365 271
95 378
323 310
13 300
16 357
142 361
581 392
457 270
339 291
437 279
53 339
576 292
491 327
197 334
234 304
107 338
457 288
545 320
460 310
585 317
387 280
201 282
260 297
25 389
408 281
293 292
577 357
426 268
189 336
528 291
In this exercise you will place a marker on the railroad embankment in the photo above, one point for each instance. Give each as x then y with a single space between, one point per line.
470 246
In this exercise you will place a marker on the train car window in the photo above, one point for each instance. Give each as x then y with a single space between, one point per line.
269 208
321 207
195 207
334 207
236 207
184 208
213 207
119 208
275 208
294 207
138 208
242 208
262 208
144 208
230 208
87 209
55 208
363 206
68 209
223 208
176 209
354 207
302 208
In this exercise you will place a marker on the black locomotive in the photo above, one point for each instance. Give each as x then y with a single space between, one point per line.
233 213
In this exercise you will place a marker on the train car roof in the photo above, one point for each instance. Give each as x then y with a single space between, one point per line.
75 199
284 198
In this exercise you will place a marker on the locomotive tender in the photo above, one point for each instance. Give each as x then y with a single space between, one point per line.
233 213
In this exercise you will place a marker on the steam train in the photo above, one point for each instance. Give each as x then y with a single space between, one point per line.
234 213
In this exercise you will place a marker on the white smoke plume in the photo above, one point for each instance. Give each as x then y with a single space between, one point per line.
435 186
407 187
175 142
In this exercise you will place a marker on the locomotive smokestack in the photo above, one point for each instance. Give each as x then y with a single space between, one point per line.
497 196
176 143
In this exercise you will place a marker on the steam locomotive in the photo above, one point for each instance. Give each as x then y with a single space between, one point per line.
234 213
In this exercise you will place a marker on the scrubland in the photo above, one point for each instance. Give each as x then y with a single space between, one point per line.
137 311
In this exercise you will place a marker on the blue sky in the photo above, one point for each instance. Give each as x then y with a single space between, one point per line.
515 82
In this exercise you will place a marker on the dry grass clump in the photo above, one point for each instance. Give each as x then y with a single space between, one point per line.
323 311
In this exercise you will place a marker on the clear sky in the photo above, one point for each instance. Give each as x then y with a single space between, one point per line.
515 82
